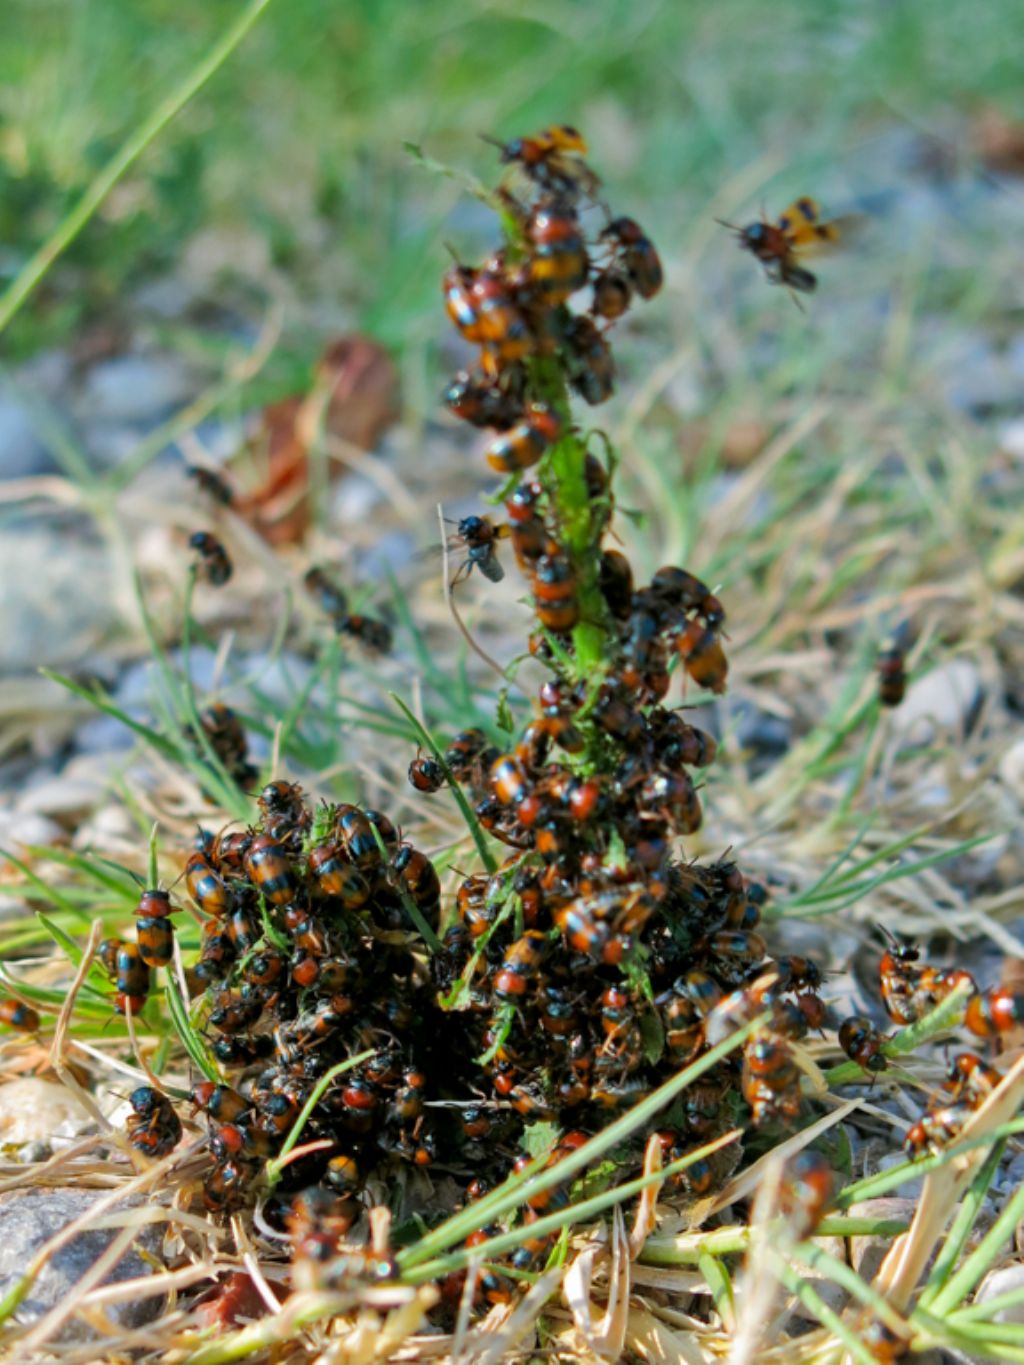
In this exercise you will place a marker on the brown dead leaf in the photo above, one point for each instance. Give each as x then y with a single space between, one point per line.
354 398
234 1299
998 141
362 382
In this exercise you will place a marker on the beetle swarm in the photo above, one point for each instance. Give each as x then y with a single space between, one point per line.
595 961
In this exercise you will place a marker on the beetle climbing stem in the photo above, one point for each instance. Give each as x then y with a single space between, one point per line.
563 475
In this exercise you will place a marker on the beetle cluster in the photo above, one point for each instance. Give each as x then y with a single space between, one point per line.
309 956
589 963
569 982
910 989
515 306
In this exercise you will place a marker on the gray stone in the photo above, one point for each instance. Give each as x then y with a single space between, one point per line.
32 1152
61 795
56 599
975 376
22 828
391 553
23 452
1011 769
759 734
868 1253
103 734
943 700
1010 1279
1011 439
910 1189
34 1110
135 388
29 1219
354 498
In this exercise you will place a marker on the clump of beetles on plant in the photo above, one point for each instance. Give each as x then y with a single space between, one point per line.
596 960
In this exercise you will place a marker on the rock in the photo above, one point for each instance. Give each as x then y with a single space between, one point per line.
110 828
31 1218
32 1110
944 699
103 734
868 1253
42 380
64 795
24 451
974 375
135 389
354 498
56 599
31 1152
1011 439
391 553
911 1188
19 829
1011 768
1009 1279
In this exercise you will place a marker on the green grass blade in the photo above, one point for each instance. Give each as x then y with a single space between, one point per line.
72 224
455 1229
159 742
982 1258
966 1216
190 1040
275 1167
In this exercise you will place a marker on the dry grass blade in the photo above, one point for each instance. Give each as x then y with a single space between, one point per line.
658 1344
645 1218
58 1048
603 1338
522 1320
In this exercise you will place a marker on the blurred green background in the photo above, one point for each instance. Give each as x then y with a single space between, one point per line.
297 144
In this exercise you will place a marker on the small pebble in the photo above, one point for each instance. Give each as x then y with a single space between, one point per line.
135 388
943 700
33 1110
19 829
1008 1279
868 1253
61 796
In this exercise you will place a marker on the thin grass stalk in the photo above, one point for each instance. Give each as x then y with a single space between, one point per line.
72 224
960 1230
564 1218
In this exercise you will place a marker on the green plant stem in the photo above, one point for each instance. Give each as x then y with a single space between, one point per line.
68 229
553 1222
566 485
734 1241
498 1202
472 823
